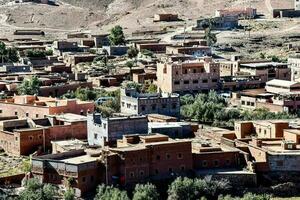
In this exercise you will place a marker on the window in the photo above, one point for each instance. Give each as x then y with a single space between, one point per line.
164 105
16 113
186 82
30 138
123 104
204 163
243 102
252 104
158 157
95 136
176 82
265 132
81 112
83 179
174 105
176 72
27 114
36 115
40 137
194 71
154 107
104 126
204 81
134 107
143 108
279 163
156 171
227 162
248 103
168 156
179 156
185 71
128 105
142 173
216 163
16 138
202 70
92 178
214 80
182 168
132 174
170 170
195 81
0 111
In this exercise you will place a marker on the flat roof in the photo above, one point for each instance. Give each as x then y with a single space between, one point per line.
70 117
80 159
281 83
167 124
261 65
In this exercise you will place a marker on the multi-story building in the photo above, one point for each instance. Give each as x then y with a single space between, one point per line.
188 77
274 146
37 107
105 131
196 51
278 96
267 70
294 65
26 136
76 168
260 129
135 103
151 157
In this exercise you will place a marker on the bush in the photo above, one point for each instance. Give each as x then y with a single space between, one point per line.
145 192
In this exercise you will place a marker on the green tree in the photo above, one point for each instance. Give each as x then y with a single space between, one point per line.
85 94
116 36
37 191
8 54
69 194
145 192
110 193
152 88
133 53
210 37
29 86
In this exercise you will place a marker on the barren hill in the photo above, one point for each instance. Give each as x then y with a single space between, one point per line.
101 15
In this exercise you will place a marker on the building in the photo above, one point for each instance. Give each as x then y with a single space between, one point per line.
278 96
173 129
273 145
196 51
59 47
288 12
26 136
67 145
267 70
161 118
82 171
188 77
260 129
116 50
237 12
219 23
165 17
135 103
151 157
106 131
37 107
14 68
294 65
